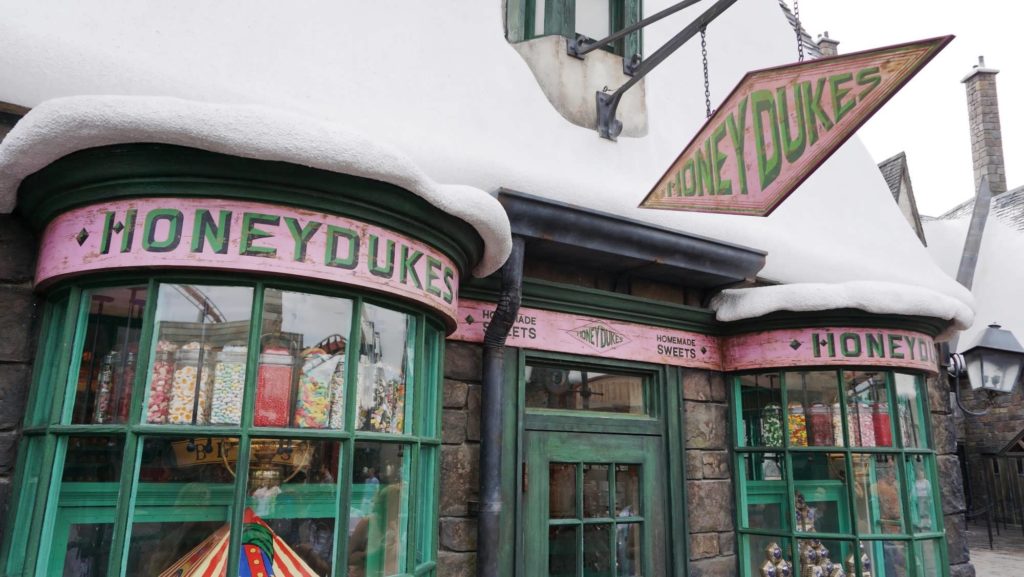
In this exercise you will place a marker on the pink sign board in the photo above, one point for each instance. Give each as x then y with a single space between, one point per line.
574 334
830 347
779 125
197 233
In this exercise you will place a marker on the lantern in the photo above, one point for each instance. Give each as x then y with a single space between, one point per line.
994 361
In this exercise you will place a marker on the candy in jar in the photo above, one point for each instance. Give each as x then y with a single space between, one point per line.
273 388
124 387
866 424
103 410
820 423
771 425
338 393
160 383
797 425
191 386
313 404
882 425
837 423
228 386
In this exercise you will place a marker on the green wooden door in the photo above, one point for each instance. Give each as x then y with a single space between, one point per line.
595 505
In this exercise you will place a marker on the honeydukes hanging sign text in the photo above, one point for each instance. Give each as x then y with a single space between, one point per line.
779 125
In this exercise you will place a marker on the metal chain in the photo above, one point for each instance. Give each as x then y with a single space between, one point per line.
704 56
799 30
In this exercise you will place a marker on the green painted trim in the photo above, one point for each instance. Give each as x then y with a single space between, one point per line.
675 444
161 170
603 304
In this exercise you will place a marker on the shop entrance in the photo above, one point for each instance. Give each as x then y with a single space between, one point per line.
594 505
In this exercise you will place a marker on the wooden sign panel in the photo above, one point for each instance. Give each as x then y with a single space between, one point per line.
779 125
248 237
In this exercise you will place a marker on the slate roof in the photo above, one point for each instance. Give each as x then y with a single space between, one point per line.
811 49
892 171
1008 207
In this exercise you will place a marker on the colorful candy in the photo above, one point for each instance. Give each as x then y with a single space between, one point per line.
821 434
191 381
797 425
273 388
103 409
319 390
771 425
160 383
228 386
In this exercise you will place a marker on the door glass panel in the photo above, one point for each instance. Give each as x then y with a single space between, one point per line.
562 491
107 368
595 491
761 410
627 490
554 387
385 362
628 552
562 547
92 470
199 328
766 498
301 373
597 553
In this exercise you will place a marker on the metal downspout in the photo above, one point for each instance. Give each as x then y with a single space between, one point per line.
492 404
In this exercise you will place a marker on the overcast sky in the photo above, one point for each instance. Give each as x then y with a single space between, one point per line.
928 118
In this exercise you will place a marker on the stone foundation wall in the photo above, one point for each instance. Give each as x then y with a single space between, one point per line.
710 500
951 484
18 306
460 460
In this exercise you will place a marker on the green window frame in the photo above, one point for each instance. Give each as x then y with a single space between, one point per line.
528 19
44 501
787 460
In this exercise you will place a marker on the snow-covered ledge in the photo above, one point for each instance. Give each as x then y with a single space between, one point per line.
62 126
870 296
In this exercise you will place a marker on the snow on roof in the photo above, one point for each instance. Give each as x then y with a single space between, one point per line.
998 279
61 126
459 102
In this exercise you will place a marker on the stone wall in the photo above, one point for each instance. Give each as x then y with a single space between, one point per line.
986 135
460 460
710 497
18 306
950 480
988 433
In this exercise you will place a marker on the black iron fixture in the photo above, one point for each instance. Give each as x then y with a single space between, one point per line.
608 102
992 364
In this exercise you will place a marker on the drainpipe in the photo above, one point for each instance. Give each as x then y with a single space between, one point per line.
492 406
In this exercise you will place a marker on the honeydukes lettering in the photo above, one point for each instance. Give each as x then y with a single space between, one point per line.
248 237
778 125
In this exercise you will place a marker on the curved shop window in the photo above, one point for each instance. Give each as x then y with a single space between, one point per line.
834 467
177 428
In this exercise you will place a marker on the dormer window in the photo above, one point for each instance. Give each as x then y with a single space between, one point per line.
594 19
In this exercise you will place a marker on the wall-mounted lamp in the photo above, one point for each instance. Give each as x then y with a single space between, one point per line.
992 364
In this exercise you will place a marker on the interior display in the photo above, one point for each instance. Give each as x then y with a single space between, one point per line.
384 359
228 385
274 387
190 390
321 396
161 383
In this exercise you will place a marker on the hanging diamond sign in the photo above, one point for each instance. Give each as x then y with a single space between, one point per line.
779 125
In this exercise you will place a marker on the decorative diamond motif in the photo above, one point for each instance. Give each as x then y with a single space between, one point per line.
598 336
118 227
703 350
82 236
794 344
470 320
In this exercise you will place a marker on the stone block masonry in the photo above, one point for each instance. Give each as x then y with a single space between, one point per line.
951 485
18 313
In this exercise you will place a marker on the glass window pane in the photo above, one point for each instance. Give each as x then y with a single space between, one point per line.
628 550
764 491
379 510
867 410
198 329
92 473
553 387
910 400
562 490
292 495
538 17
823 554
924 512
760 398
886 558
562 550
597 554
185 489
814 415
627 491
302 364
879 494
593 18
107 369
821 499
386 356
595 490
762 555
929 557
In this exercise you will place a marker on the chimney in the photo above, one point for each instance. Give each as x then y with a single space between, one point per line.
986 136
828 46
